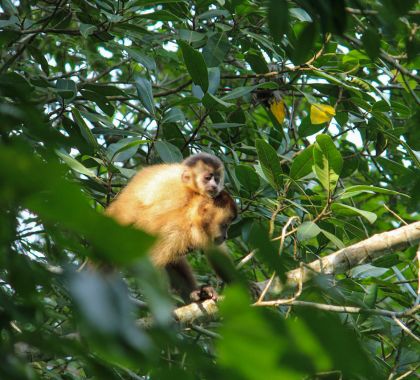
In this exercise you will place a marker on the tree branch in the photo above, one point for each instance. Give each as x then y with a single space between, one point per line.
335 263
360 253
387 58
355 11
345 309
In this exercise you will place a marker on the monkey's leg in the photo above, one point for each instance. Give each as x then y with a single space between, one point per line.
183 281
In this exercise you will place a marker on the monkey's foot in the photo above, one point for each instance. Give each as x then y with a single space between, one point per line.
205 292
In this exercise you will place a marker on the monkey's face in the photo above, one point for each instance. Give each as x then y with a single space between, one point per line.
204 179
210 182
217 225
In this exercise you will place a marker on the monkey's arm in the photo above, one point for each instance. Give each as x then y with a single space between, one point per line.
183 281
181 277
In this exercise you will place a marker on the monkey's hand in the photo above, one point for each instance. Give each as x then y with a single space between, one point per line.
204 292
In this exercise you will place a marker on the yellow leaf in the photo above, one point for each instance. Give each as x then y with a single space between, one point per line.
278 110
321 113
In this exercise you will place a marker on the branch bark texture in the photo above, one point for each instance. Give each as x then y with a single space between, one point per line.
338 262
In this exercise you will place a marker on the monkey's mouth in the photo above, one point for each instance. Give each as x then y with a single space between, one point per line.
213 193
219 240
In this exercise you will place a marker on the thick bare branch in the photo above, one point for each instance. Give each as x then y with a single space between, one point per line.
193 311
359 253
335 263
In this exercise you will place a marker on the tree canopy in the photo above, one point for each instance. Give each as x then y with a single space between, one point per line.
313 107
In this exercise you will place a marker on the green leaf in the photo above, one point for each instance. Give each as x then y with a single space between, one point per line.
339 343
333 239
327 162
300 14
305 43
371 42
9 7
84 129
66 88
39 58
359 189
302 163
238 92
270 163
278 19
173 115
371 296
394 167
210 102
44 191
307 230
387 261
13 84
306 128
216 49
145 93
257 62
245 90
144 3
148 62
104 90
225 125
101 101
168 152
75 165
236 351
105 307
214 79
343 209
87 29
124 149
213 13
196 65
248 178
160 16
190 36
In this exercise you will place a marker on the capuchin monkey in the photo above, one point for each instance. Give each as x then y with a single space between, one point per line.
185 206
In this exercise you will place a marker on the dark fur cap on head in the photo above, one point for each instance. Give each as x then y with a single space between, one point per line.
224 200
206 158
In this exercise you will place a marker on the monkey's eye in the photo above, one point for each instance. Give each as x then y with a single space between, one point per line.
208 177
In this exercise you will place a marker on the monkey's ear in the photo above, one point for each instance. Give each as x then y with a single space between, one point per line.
186 176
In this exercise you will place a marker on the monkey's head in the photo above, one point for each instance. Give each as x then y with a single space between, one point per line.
204 174
217 214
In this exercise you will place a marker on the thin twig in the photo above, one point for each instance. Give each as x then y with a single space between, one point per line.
204 331
342 309
108 70
283 236
396 215
72 32
408 373
195 132
279 302
411 91
244 260
405 329
373 12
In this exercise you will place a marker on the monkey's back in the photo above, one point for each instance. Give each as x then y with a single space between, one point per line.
157 201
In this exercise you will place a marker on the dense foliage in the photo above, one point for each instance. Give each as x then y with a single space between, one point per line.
308 103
